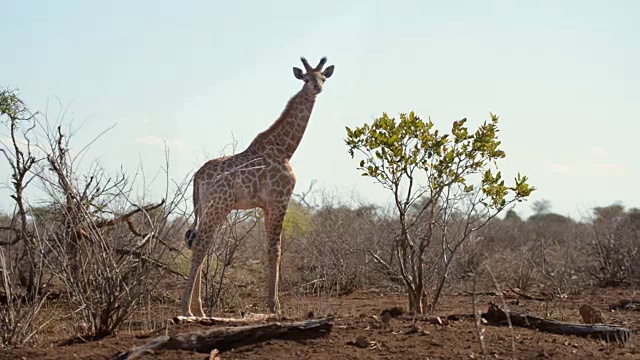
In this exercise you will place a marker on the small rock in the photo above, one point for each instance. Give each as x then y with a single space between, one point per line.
412 330
415 329
393 312
386 317
362 342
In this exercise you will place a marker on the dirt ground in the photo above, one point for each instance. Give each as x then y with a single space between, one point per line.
355 316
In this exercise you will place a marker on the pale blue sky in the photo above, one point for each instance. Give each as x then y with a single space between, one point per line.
562 75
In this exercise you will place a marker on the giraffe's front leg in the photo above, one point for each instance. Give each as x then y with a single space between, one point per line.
274 218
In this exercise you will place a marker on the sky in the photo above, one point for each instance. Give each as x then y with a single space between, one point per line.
562 76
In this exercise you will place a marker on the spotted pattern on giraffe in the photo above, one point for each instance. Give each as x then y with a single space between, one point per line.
258 177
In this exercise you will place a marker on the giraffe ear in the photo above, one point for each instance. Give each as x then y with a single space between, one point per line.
328 72
297 72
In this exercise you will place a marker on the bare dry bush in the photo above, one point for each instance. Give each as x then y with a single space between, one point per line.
333 258
22 277
106 261
538 253
546 250
220 292
615 245
557 256
106 250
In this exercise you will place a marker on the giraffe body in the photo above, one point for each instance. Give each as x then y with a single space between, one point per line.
258 177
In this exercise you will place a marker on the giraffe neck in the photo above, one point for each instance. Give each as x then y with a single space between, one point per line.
285 134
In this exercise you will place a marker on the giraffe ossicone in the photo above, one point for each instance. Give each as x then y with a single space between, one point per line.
258 177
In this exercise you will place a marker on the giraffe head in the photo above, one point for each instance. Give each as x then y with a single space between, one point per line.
314 78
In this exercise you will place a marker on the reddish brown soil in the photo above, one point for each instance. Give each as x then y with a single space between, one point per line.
354 317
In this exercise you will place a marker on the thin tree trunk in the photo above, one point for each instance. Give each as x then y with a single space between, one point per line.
416 305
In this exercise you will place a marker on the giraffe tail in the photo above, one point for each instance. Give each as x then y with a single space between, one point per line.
190 235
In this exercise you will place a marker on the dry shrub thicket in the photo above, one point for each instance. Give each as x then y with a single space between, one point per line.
220 291
549 251
87 240
564 256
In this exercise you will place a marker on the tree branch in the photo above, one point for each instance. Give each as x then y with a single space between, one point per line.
146 259
125 217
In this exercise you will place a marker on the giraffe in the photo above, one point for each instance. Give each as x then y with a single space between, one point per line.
258 177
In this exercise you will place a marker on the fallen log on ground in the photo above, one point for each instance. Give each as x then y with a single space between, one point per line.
230 337
629 305
497 316
246 319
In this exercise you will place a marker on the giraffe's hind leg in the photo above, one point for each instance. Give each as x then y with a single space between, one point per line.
204 238
197 257
197 292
